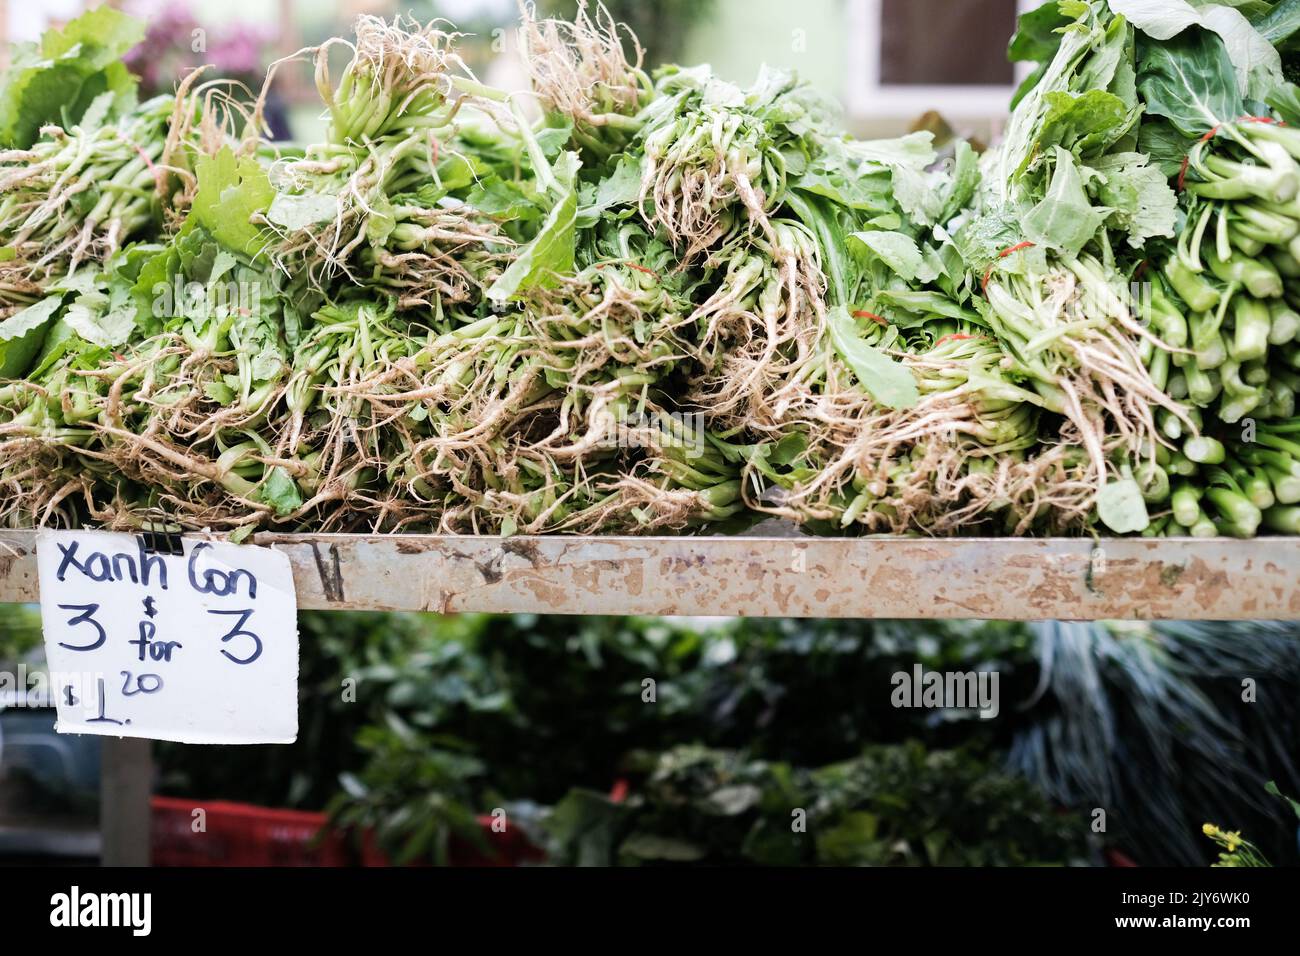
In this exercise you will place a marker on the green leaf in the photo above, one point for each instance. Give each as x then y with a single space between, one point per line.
872 192
219 392
885 380
101 321
241 534
23 333
621 188
1083 124
1164 145
1158 19
1065 219
551 251
280 492
917 194
915 150
505 200
1189 80
104 34
857 181
58 80
964 180
1281 24
1144 204
1036 38
552 139
231 191
1256 63
381 222
59 341
299 212
897 251
927 304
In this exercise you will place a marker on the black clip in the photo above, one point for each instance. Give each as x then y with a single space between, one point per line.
161 542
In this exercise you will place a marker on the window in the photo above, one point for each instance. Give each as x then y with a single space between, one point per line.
909 56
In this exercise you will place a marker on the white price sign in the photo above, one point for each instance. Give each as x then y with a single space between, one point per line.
200 647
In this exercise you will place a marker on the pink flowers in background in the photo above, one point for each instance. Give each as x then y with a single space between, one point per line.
235 50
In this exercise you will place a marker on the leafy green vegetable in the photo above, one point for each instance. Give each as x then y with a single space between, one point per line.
621 188
280 492
888 382
57 80
22 334
1281 24
551 252
1084 124
1065 219
1189 80
1143 203
299 212
897 251
231 192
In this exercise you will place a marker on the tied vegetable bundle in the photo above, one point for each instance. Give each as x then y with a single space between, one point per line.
1148 180
625 302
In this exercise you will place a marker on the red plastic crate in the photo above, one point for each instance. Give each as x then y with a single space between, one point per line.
509 847
239 834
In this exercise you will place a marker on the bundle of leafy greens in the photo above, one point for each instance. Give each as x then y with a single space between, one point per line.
1131 233
624 302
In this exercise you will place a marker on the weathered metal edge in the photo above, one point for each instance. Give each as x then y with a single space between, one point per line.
1000 578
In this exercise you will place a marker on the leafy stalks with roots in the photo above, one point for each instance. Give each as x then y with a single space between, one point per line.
533 413
384 227
961 455
1079 344
398 80
76 196
580 70
708 172
365 205
80 195
661 306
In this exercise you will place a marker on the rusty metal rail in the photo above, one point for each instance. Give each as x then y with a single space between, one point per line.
1008 578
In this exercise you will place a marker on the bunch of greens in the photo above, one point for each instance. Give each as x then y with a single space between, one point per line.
1149 152
629 302
895 805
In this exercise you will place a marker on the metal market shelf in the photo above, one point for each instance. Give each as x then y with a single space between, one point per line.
999 578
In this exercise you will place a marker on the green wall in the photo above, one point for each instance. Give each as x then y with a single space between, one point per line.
807 36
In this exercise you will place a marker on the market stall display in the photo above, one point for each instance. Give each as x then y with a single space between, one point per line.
664 303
